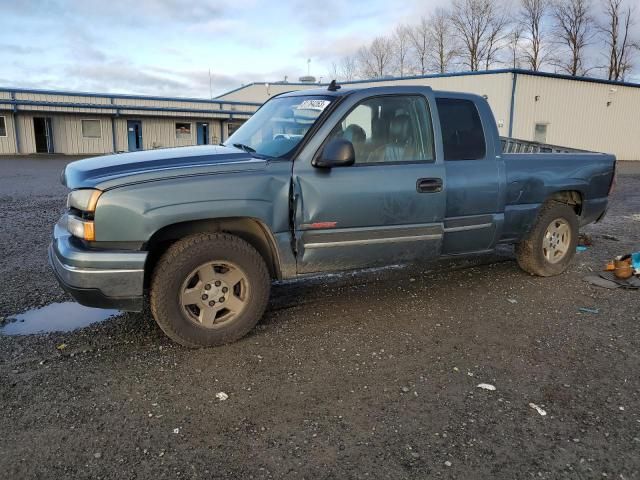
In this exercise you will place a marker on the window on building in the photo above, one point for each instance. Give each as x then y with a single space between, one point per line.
232 127
3 127
462 132
91 129
183 130
389 129
540 133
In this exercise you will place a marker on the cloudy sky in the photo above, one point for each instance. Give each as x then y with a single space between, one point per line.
166 47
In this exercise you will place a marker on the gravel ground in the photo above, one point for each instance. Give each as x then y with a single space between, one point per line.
371 375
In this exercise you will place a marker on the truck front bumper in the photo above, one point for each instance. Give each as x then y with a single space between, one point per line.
97 278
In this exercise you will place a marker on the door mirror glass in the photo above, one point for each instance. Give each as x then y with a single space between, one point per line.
338 152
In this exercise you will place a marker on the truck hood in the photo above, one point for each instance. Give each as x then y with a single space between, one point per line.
112 170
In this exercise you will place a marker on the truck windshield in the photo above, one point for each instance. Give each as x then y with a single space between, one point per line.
279 125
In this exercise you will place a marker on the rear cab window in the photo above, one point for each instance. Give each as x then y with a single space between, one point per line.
462 133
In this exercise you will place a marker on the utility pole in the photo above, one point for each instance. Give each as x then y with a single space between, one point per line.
210 88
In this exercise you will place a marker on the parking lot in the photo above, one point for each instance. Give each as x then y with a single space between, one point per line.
368 375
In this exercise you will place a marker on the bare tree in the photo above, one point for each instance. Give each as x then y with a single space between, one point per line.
497 37
617 37
573 29
375 60
480 26
345 70
401 45
420 36
443 46
532 20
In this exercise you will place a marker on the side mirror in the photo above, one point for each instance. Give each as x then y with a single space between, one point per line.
337 153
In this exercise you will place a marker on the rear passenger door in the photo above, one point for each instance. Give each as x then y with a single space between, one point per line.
473 212
385 209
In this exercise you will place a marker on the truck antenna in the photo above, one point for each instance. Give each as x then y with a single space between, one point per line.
333 87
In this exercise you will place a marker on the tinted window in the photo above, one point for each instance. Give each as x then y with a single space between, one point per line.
462 133
389 129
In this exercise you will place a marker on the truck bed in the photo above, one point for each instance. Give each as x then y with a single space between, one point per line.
516 145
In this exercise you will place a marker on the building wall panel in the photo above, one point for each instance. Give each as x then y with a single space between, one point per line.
578 114
8 143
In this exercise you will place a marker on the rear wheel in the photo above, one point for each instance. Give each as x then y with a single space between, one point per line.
209 289
551 244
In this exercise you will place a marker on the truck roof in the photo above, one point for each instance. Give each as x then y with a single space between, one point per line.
344 91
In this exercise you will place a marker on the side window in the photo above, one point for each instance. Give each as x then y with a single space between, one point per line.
389 129
462 133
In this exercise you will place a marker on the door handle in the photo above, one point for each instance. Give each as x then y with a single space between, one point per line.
429 185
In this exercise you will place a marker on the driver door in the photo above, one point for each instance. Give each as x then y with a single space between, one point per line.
385 209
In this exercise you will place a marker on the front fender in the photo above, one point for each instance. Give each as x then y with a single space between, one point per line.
133 213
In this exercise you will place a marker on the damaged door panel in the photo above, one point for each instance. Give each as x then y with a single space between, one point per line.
387 207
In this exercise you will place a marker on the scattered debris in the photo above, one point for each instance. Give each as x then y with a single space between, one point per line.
610 237
595 311
62 346
97 455
486 386
222 396
581 248
176 430
447 463
623 269
512 300
609 280
538 409
405 389
585 240
635 262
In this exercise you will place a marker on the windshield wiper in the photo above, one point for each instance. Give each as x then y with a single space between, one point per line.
244 147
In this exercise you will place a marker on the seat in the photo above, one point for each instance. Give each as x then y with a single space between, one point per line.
399 146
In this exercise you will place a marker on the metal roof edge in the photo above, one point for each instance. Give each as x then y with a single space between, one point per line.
124 95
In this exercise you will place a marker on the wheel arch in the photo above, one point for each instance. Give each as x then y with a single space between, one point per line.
252 230
573 198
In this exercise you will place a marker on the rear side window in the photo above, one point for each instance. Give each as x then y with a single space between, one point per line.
462 133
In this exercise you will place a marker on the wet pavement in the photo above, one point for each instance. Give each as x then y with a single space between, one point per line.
55 317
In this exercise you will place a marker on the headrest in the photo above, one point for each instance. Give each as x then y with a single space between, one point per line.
354 133
399 129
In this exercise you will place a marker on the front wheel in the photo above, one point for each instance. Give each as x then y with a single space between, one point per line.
209 289
551 244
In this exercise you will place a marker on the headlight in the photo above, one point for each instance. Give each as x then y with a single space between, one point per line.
84 199
81 228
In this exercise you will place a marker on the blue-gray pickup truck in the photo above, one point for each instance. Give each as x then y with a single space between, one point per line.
315 181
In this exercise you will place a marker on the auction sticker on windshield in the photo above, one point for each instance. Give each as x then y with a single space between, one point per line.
313 105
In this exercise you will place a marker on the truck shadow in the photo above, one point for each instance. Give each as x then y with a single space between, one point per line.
320 288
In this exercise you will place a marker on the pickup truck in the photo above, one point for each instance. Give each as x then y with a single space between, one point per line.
315 181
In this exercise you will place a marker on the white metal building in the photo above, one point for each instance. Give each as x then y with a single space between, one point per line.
38 121
583 113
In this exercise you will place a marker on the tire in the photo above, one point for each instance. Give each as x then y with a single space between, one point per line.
531 253
213 261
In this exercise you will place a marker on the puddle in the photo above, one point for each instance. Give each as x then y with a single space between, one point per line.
57 317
